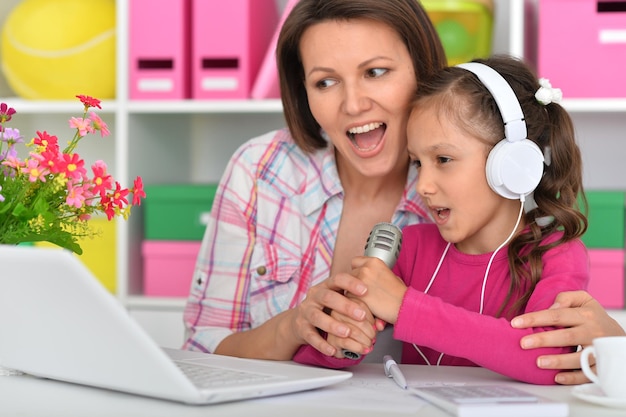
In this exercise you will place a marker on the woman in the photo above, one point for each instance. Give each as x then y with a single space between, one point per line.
295 206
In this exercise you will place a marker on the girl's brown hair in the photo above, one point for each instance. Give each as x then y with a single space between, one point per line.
406 17
462 97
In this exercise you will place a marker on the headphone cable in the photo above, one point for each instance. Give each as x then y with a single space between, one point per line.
482 293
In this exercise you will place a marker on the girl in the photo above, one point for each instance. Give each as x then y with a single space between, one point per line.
505 238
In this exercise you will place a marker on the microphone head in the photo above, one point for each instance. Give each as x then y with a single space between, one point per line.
384 243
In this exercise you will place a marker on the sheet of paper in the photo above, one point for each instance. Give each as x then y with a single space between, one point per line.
361 392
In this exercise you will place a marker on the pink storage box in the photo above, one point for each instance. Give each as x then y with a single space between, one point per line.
582 47
229 41
607 277
159 49
168 267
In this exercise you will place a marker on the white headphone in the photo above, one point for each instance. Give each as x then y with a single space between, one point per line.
515 164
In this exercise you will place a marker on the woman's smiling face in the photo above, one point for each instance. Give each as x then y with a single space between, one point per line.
360 80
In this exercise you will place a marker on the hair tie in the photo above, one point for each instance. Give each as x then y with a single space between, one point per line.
546 94
530 204
547 155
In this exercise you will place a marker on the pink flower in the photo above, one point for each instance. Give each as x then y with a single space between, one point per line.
99 124
35 171
89 101
12 162
72 166
102 182
138 191
119 196
5 113
75 195
47 142
83 125
48 195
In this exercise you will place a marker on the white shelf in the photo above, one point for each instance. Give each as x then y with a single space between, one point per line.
273 106
604 105
205 106
189 140
23 106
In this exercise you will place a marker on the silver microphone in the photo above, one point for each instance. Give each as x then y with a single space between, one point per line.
384 243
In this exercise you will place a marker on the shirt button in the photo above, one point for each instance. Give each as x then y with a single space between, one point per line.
262 270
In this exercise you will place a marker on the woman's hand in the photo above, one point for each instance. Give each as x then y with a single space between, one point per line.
581 319
312 315
362 333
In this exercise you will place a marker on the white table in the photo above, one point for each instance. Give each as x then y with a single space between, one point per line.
28 396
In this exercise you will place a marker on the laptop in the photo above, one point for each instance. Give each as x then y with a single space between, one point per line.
58 322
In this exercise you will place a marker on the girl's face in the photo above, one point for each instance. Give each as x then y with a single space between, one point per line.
453 183
359 80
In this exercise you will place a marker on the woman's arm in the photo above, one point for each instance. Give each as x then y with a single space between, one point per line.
218 303
276 339
281 336
580 319
241 285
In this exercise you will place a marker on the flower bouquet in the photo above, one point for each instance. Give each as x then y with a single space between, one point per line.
49 195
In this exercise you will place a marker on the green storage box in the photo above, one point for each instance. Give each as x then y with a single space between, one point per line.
606 219
177 211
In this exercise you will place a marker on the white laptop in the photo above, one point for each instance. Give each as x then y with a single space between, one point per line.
57 321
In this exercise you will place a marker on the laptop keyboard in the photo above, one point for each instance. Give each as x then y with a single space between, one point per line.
204 376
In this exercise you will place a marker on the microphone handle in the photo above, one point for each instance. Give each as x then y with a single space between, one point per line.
390 237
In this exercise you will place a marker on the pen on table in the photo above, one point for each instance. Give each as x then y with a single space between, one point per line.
392 370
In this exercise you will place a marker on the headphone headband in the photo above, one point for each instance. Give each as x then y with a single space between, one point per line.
510 109
515 164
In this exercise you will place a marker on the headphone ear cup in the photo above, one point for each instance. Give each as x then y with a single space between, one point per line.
514 169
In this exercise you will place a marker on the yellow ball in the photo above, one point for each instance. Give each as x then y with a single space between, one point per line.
56 49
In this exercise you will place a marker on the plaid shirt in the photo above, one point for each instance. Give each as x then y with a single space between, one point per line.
270 236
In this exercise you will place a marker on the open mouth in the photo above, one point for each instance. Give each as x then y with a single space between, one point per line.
367 137
440 213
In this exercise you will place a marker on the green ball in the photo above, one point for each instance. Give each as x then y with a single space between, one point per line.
456 40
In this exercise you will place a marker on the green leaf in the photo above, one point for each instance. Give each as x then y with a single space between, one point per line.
19 210
59 238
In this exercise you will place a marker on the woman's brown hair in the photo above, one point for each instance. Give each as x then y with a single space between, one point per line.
406 17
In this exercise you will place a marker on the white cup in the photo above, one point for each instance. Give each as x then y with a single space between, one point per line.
610 355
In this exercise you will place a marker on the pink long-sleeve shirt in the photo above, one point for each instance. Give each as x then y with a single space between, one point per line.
447 318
